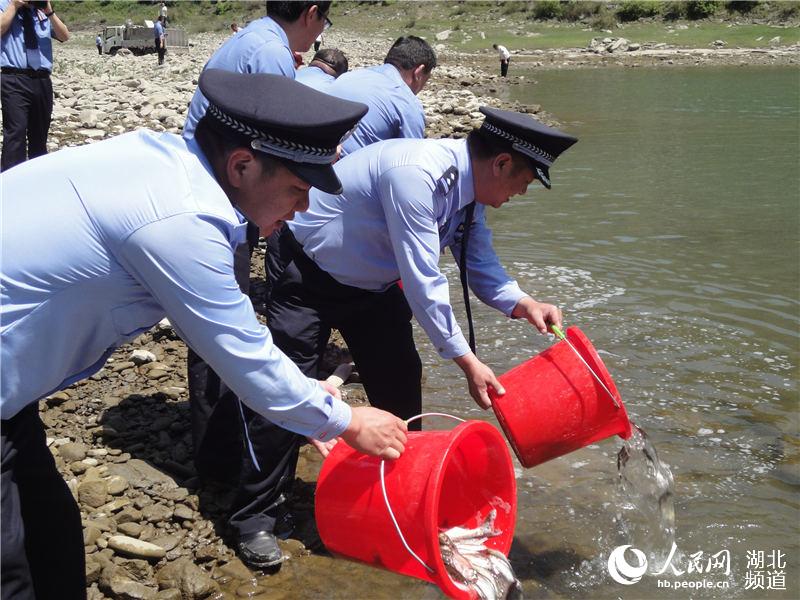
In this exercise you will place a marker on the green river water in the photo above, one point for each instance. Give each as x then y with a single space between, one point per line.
671 238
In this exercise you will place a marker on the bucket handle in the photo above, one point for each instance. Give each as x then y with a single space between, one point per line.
386 497
560 335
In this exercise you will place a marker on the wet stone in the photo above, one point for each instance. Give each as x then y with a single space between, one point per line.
78 467
93 569
117 367
167 542
138 569
183 513
129 515
117 484
90 535
249 590
115 505
130 529
156 513
73 451
191 580
92 493
133 547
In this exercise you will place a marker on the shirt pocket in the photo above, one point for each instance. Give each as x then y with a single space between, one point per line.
135 318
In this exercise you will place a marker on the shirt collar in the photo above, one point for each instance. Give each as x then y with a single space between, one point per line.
391 72
240 230
273 25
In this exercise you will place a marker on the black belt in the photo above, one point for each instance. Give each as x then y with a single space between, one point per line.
34 73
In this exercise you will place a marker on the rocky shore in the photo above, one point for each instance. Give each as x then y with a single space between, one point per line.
122 438
102 96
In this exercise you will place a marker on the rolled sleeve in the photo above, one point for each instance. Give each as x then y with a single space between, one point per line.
186 263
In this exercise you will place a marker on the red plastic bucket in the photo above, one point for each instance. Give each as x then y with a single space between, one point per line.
553 405
443 479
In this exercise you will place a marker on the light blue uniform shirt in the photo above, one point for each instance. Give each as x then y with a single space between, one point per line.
114 257
261 47
158 29
403 204
316 78
394 110
12 45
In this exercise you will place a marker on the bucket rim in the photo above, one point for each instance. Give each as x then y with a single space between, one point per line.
433 495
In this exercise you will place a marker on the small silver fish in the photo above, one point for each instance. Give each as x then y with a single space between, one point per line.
469 562
459 568
484 530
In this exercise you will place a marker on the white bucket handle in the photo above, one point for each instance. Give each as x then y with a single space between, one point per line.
386 497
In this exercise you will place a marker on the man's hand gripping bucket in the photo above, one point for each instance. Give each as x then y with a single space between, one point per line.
443 479
559 401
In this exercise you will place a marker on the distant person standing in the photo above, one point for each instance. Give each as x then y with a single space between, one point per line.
163 12
26 94
505 58
234 27
161 38
98 41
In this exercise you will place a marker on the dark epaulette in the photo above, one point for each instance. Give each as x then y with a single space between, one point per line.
447 181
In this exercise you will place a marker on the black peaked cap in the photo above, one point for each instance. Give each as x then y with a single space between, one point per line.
283 118
540 143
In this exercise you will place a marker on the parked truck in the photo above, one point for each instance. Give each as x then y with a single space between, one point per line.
140 38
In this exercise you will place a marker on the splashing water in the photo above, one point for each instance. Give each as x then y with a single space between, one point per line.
646 508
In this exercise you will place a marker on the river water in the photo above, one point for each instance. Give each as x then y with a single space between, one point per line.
671 237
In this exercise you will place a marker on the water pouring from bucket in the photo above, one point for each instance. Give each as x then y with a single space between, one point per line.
559 401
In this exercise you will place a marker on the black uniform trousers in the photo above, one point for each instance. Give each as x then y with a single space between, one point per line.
27 103
304 304
504 67
42 539
161 49
216 417
222 428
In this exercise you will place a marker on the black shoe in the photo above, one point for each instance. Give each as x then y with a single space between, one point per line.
260 551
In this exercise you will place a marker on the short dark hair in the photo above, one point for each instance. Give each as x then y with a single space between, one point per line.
334 58
217 141
485 146
290 11
410 51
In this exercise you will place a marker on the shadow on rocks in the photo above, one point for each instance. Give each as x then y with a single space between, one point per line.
154 435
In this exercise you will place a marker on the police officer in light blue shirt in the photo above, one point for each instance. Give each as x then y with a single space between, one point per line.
390 91
267 45
103 268
324 68
26 93
404 202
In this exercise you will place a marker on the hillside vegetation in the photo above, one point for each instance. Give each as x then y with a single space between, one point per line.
519 25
